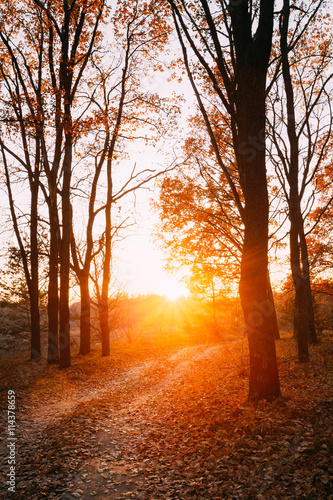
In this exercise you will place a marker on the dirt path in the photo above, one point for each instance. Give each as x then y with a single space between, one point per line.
174 424
115 473
108 469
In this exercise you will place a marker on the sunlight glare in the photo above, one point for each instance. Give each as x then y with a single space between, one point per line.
172 289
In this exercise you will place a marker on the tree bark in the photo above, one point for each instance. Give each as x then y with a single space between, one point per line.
32 275
252 63
254 292
299 276
104 310
66 78
83 273
64 317
244 97
313 339
301 316
53 297
104 324
34 282
85 314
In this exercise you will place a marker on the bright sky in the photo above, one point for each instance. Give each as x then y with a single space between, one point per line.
139 260
141 268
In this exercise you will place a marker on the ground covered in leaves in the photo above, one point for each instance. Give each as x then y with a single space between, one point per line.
170 422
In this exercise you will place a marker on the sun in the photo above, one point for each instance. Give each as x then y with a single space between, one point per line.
172 289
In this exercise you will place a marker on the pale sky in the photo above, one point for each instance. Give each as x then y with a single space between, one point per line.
139 260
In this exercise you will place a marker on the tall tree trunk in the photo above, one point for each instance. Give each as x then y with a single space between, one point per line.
66 78
104 324
52 174
31 276
254 289
301 316
85 314
295 215
313 339
254 293
53 297
83 273
64 317
104 310
244 98
34 282
104 302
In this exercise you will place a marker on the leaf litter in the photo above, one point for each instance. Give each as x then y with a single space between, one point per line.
173 423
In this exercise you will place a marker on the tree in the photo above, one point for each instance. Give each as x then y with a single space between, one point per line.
69 33
14 292
199 226
299 159
76 28
200 221
237 77
320 239
54 52
21 142
125 114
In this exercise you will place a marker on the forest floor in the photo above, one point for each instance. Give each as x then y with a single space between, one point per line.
170 422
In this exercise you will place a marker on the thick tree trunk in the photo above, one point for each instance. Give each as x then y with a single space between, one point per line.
35 326
52 174
32 275
85 314
64 318
245 101
264 380
313 338
302 323
252 62
295 322
254 289
53 298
